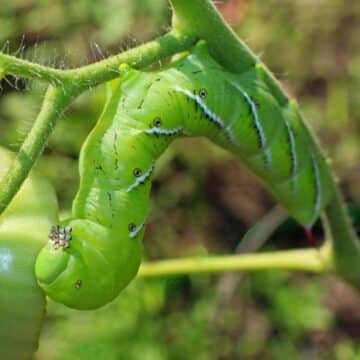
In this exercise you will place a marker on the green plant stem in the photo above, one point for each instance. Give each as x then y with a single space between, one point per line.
66 85
54 103
200 18
138 58
345 244
304 260
88 76
19 67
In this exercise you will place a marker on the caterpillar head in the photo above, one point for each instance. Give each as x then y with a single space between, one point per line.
85 265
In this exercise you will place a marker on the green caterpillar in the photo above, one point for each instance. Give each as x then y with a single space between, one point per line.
94 255
22 225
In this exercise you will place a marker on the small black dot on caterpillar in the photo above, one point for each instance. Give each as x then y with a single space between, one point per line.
137 172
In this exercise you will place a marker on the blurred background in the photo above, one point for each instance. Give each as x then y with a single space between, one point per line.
203 200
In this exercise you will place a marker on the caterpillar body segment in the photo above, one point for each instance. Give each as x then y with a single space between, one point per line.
146 111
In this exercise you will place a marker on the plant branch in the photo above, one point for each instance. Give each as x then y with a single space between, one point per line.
67 84
304 260
91 75
19 67
345 244
138 58
53 105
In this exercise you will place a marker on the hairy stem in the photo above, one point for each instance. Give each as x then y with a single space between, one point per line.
53 105
19 67
91 75
305 260
138 58
67 84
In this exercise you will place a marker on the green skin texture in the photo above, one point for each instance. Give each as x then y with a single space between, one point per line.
145 112
22 228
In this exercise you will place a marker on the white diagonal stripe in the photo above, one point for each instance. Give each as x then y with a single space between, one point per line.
161 131
215 118
318 187
133 233
141 178
257 122
292 147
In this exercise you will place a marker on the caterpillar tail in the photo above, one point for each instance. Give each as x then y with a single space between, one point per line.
310 237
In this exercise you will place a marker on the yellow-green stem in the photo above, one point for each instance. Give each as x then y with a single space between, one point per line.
311 260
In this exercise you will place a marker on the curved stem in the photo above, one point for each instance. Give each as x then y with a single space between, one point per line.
19 67
53 105
91 75
345 244
304 260
138 58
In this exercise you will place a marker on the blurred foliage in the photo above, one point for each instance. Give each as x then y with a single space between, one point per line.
203 200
